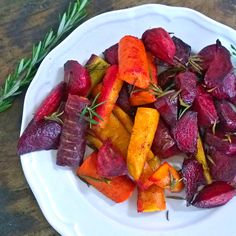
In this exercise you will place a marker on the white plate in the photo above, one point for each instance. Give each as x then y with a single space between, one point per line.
69 206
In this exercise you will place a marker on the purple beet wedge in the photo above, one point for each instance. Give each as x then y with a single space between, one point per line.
204 106
227 115
187 83
111 54
192 173
213 195
164 145
39 135
183 50
185 132
72 141
221 141
110 162
222 167
168 108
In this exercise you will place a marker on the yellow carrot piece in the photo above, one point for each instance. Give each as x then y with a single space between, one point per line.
94 141
145 125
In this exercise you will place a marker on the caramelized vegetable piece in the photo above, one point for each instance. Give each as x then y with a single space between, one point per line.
214 195
111 54
110 162
110 90
163 144
141 98
72 142
192 173
96 67
141 139
227 115
168 108
185 132
151 199
93 141
160 44
77 78
187 82
118 189
39 135
152 68
96 90
51 103
168 177
201 158
204 106
222 167
133 64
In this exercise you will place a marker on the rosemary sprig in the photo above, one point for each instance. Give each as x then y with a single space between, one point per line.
233 50
184 109
27 68
55 117
105 180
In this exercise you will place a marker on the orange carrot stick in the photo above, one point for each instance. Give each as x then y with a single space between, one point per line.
141 98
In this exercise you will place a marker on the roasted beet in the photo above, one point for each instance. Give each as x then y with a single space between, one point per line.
221 141
214 195
222 167
227 115
160 44
39 135
111 54
183 50
110 162
167 77
185 132
168 108
77 78
163 144
192 173
72 141
187 82
204 106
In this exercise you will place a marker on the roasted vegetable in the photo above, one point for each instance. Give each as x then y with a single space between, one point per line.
141 139
141 98
111 54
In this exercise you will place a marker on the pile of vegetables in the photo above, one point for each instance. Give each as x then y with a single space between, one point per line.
145 101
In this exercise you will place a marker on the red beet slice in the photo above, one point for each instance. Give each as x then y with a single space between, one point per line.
110 162
72 141
204 106
213 195
160 44
51 103
111 54
185 132
192 173
164 145
220 142
168 108
227 115
187 82
77 78
39 135
183 50
223 167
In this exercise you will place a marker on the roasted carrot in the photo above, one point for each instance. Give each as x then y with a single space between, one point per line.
145 125
111 87
93 141
133 64
96 90
141 98
152 68
151 199
117 189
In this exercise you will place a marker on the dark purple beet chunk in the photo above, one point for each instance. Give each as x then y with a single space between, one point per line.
110 162
223 166
192 173
187 82
39 135
204 106
168 108
164 145
183 50
220 142
227 115
166 78
73 142
185 132
111 54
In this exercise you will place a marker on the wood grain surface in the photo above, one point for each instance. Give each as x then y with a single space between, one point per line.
22 23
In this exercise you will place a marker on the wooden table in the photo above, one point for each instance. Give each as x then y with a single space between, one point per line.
22 23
